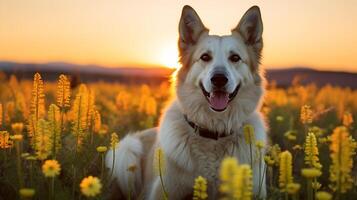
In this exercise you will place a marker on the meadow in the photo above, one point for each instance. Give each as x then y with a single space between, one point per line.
54 135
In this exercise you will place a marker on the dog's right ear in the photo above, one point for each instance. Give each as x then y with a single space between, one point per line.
190 27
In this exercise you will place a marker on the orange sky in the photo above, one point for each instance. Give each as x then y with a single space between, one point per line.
320 33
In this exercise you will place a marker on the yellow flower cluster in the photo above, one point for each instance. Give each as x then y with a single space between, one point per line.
236 180
347 119
306 114
342 149
54 125
159 162
200 188
5 141
63 92
285 170
37 110
248 131
311 151
114 140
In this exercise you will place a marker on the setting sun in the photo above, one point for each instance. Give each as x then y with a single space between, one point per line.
169 57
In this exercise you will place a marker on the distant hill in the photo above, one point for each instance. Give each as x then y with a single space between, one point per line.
284 77
90 73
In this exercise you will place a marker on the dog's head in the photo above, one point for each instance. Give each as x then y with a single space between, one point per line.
218 71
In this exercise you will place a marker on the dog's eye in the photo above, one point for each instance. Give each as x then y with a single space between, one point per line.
206 57
234 58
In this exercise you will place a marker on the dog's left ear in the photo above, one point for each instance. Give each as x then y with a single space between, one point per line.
251 26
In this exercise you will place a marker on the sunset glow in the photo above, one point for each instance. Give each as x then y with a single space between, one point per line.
318 34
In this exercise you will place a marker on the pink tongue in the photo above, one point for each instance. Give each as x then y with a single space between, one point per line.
219 100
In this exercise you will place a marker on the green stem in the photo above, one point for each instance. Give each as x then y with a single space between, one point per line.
19 170
74 181
309 190
162 182
102 169
52 188
251 155
31 173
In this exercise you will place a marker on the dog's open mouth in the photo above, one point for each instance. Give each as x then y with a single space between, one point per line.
219 99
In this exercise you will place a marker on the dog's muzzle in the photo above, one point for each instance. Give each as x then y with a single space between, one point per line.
219 98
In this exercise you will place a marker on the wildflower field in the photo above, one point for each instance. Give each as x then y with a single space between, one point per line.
54 136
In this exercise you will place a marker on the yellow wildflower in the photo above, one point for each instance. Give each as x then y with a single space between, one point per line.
268 160
90 186
310 172
200 188
291 135
321 195
51 168
306 114
347 119
63 92
248 131
236 180
293 188
259 144
159 161
323 140
54 125
151 106
102 149
17 137
279 118
229 166
27 192
285 171
243 183
79 115
311 151
275 152
316 185
5 141
37 106
17 128
114 140
342 149
97 121
317 131
43 142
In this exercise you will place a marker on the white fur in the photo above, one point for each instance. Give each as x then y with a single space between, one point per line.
128 152
187 154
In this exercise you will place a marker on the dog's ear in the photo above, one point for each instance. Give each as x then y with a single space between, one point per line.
251 26
190 27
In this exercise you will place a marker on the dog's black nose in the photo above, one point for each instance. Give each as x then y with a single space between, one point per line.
219 80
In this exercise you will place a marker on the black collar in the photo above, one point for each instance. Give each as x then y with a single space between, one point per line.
203 132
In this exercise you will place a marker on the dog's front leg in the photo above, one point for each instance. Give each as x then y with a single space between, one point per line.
156 192
175 191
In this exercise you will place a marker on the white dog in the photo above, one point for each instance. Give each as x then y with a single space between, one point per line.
218 90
